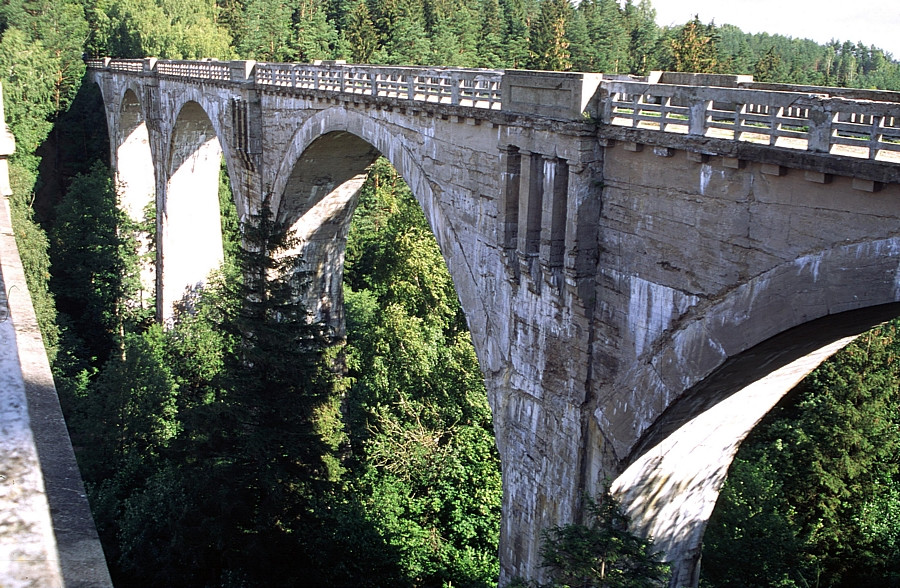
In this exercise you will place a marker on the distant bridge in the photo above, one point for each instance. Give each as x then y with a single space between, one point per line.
646 264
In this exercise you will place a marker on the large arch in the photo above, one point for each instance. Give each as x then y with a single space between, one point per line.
351 141
189 222
736 358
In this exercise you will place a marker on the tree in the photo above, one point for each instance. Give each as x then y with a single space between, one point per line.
767 69
517 17
694 49
601 553
168 29
360 33
61 28
95 266
316 37
608 34
490 42
643 36
549 45
417 415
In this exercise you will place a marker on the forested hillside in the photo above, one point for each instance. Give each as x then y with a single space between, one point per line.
241 447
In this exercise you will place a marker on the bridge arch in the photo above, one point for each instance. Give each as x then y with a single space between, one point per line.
189 222
307 186
735 361
132 157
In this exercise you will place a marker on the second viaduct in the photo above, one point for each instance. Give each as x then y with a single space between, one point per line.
646 265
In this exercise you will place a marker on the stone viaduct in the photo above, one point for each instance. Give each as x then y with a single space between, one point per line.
647 264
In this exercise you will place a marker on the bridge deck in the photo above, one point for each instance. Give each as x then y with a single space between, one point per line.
837 121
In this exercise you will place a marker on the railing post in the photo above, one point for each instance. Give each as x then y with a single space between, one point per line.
875 136
820 119
411 86
455 81
698 109
242 70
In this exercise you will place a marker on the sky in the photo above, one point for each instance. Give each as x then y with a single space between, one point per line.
874 22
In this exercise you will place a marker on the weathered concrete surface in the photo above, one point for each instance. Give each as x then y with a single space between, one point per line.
47 535
671 485
607 273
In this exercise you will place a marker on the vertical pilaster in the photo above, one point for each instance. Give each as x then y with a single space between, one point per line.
511 170
553 222
530 203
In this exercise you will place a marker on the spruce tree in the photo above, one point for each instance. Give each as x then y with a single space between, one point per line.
549 44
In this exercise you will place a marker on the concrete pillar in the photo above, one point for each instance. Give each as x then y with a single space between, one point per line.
511 170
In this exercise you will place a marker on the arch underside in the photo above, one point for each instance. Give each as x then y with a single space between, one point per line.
190 244
672 477
319 198
135 179
315 192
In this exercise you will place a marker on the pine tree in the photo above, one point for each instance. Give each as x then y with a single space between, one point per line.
601 552
694 49
360 33
549 45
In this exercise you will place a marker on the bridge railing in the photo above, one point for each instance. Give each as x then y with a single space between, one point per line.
813 119
796 120
477 88
458 87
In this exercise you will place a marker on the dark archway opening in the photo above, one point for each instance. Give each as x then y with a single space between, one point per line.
421 458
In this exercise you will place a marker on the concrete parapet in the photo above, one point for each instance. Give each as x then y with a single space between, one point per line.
48 537
703 79
567 95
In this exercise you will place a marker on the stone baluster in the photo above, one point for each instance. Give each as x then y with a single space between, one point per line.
875 136
698 115
455 82
821 118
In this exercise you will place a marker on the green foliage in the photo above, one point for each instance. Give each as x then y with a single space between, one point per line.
32 244
549 44
601 553
419 424
821 475
360 33
694 48
26 71
168 29
95 266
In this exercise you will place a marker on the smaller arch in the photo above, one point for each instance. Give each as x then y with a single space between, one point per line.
133 159
215 110
190 236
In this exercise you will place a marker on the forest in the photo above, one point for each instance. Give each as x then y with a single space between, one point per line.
240 446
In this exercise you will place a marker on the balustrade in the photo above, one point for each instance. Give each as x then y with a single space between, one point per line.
814 120
795 120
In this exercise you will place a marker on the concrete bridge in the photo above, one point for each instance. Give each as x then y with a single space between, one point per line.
647 264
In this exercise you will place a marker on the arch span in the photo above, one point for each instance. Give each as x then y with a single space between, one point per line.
133 159
319 176
759 348
190 230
